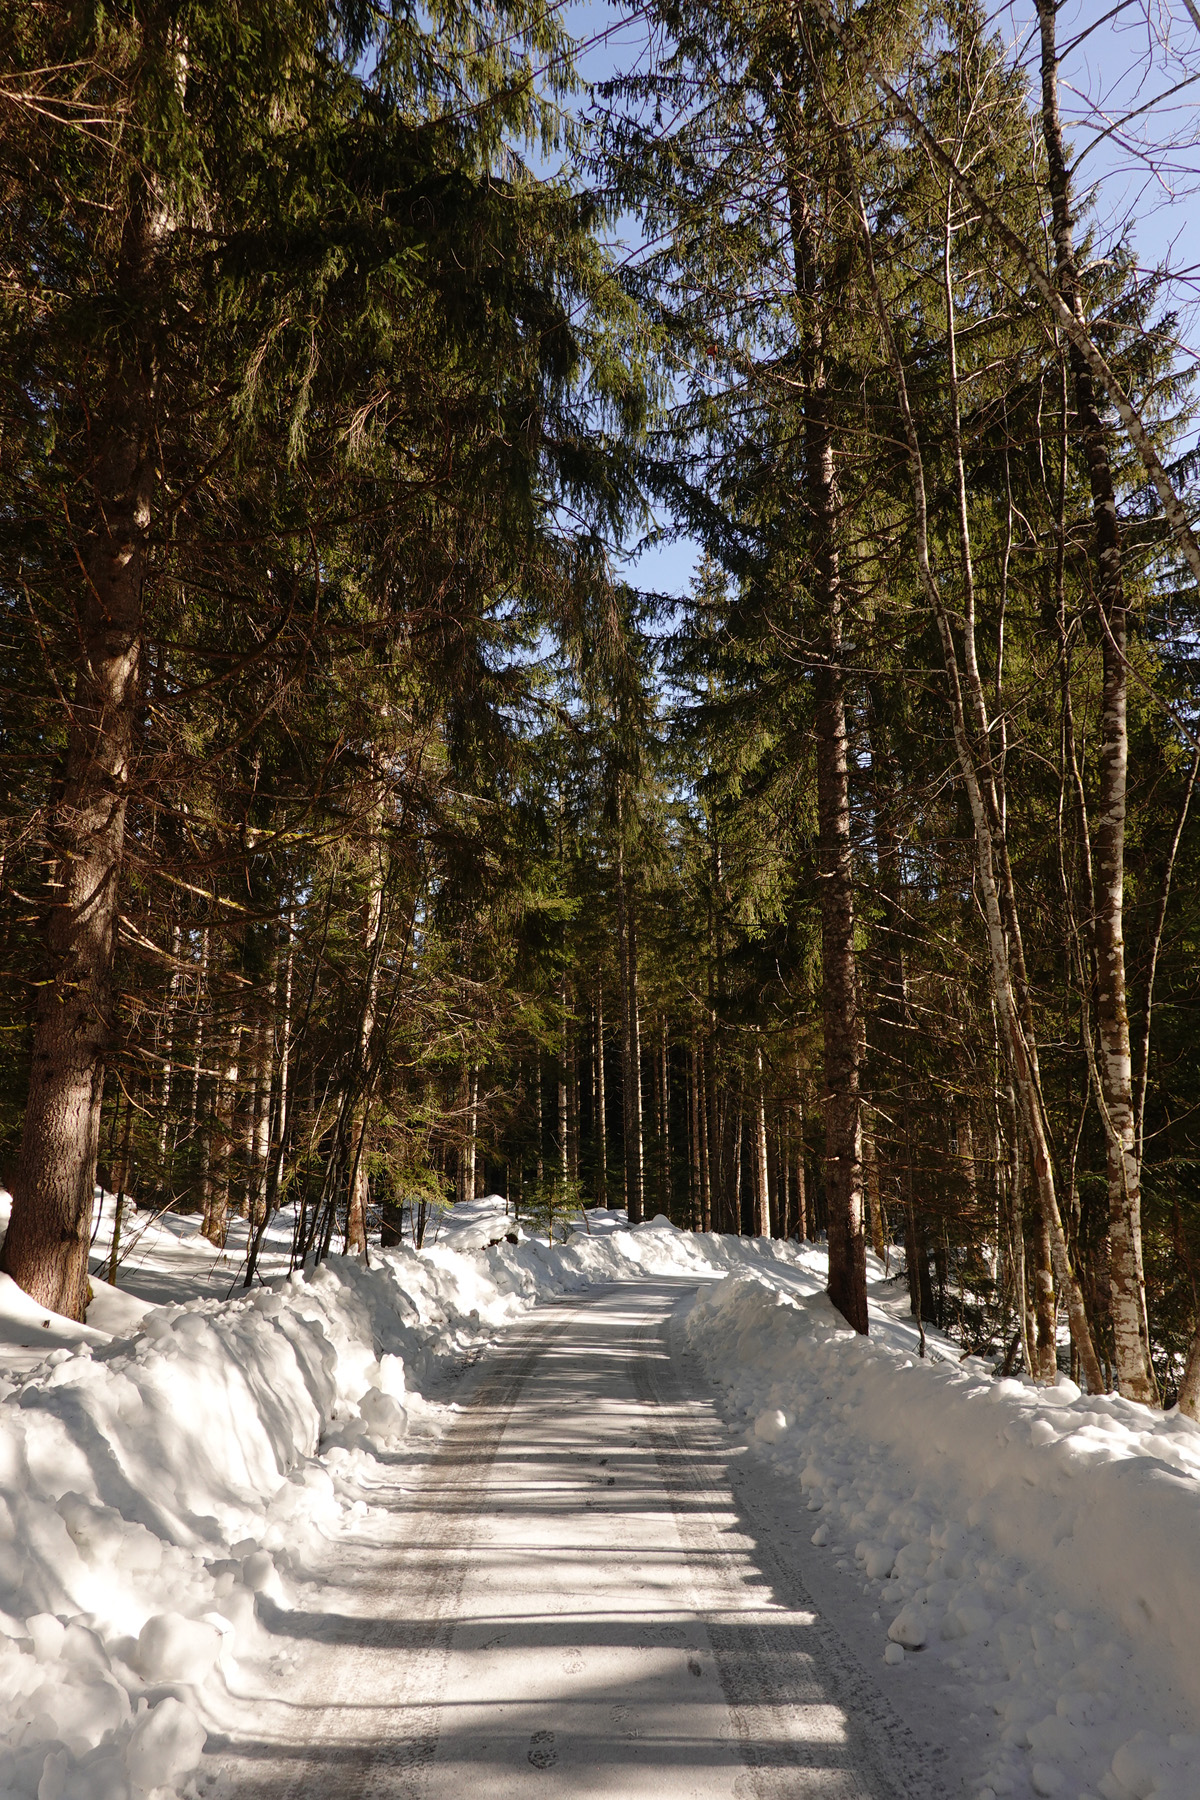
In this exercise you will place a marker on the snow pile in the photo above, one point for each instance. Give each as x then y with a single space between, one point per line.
478 1224
1044 1544
143 1488
156 1489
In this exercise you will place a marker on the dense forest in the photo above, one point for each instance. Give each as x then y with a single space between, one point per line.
371 839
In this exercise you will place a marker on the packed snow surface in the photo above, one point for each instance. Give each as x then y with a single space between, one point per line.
1043 1544
185 1459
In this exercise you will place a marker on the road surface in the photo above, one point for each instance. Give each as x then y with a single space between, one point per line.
576 1598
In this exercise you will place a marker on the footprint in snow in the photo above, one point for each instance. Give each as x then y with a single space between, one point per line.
542 1753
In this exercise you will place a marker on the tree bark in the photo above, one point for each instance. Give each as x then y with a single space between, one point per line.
800 1181
706 1209
1021 1290
601 1107
1156 937
573 1125
871 1182
539 1126
693 1142
170 1007
46 1248
631 1050
762 1173
564 1121
260 1178
122 1185
215 1225
283 1023
921 1300
839 976
361 1076
198 1039
1189 1387
1045 1308
664 1130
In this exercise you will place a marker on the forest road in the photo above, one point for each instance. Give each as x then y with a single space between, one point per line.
574 1600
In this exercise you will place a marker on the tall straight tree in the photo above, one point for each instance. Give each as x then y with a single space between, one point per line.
1131 1332
819 265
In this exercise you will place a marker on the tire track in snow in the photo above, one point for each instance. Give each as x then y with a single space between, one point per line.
788 1668
341 1666
532 1622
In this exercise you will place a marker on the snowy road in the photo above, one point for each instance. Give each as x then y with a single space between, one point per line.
575 1600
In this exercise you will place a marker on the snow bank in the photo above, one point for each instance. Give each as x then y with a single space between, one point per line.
153 1486
1045 1544
127 1472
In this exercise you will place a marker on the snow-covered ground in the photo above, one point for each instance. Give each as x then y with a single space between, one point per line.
1043 1545
185 1454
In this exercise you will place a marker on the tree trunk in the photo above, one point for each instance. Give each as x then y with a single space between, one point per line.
839 978
695 1194
361 1073
631 1049
665 1129
540 1127
601 1108
206 1147
260 1170
215 1226
1131 1334
871 1181
283 1011
1021 1291
1045 1307
247 1123
1189 1387
573 1122
735 1170
803 1218
198 1040
839 975
359 1190
170 1006
637 1147
921 1299
122 1186
468 1153
762 1173
564 1118
46 1248
706 1207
